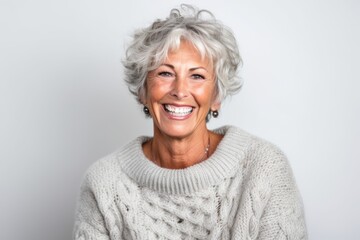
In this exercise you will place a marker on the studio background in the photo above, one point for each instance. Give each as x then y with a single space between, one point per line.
63 102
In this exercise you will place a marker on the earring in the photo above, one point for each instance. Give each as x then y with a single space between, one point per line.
215 114
146 111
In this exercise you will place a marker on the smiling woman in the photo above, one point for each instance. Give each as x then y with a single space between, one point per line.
179 94
186 181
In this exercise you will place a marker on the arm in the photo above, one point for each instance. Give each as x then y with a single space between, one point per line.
283 216
270 206
89 221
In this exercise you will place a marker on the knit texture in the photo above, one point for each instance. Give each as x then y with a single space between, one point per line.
245 190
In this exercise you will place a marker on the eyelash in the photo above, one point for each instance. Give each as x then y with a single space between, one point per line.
165 74
198 76
169 74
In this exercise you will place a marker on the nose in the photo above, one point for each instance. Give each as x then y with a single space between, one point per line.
180 88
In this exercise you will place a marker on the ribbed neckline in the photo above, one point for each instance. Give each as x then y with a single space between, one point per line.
223 163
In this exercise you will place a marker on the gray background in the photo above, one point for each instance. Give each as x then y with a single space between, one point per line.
63 103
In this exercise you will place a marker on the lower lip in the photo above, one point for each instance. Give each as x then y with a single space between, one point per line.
174 117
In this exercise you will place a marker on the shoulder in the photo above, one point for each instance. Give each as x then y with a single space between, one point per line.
267 166
102 172
261 158
249 143
109 168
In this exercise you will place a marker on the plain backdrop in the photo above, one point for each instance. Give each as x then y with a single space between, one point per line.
63 102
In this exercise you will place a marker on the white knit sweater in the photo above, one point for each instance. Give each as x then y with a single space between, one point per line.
245 190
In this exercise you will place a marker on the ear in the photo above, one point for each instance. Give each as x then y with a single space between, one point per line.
215 105
142 96
216 102
142 100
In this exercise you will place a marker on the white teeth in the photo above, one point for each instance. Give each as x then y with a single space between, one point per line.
180 111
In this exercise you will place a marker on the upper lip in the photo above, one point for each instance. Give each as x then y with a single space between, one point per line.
178 105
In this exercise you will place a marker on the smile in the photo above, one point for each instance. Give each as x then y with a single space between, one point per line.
178 111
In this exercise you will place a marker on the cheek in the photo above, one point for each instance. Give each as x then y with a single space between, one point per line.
205 94
156 90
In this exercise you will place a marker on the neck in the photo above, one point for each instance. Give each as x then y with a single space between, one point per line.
178 153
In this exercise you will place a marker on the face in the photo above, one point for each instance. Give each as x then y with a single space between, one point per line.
180 93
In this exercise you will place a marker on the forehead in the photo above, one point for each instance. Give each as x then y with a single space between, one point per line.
188 53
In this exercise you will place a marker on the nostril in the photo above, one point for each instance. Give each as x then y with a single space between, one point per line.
179 92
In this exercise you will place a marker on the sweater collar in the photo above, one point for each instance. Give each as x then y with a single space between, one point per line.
223 163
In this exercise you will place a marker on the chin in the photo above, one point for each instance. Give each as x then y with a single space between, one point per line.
180 129
176 131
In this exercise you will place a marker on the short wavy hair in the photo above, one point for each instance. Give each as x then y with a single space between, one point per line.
150 46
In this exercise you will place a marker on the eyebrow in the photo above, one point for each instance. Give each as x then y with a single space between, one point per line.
191 69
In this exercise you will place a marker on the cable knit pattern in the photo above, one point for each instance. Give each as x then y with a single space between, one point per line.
245 190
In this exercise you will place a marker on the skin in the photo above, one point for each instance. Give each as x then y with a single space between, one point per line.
185 80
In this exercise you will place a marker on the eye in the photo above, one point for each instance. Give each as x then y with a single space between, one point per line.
165 74
197 76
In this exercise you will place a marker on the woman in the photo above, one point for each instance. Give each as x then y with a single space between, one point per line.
187 182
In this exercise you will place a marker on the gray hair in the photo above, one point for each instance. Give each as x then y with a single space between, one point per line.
211 38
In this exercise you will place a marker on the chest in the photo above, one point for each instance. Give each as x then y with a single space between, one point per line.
207 214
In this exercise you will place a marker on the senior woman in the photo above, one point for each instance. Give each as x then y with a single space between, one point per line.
187 182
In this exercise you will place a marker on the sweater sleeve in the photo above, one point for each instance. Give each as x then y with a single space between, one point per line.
89 221
271 206
282 216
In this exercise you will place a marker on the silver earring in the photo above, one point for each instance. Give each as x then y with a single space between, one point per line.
146 111
215 114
